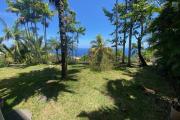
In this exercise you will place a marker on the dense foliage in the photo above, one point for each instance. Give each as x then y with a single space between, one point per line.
165 40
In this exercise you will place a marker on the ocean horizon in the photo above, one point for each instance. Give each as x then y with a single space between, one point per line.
84 51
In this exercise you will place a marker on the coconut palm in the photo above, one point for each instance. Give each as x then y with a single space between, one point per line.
79 31
46 15
61 6
55 45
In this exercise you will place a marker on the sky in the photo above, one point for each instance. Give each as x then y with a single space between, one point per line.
89 13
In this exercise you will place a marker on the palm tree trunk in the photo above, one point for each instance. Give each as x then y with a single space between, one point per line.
77 44
45 33
63 39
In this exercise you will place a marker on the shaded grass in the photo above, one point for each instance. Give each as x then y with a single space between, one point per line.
85 95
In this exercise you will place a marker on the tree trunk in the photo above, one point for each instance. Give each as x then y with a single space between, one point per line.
130 42
63 39
116 32
45 33
124 40
77 37
124 45
143 62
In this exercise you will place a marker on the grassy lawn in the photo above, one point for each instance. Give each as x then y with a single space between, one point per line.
85 95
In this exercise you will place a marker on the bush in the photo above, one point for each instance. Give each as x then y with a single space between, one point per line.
103 63
100 55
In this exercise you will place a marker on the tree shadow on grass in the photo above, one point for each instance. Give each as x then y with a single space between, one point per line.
46 82
131 102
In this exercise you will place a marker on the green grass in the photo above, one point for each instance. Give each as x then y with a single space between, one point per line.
85 95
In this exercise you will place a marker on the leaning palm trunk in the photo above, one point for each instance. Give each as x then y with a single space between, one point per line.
63 39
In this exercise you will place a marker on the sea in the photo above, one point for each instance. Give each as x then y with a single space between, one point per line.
84 51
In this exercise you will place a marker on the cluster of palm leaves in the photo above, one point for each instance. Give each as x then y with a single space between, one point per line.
31 47
100 55
28 46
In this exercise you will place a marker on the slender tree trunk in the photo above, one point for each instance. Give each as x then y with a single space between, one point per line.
77 43
116 32
130 42
124 40
63 39
143 62
72 50
45 33
124 46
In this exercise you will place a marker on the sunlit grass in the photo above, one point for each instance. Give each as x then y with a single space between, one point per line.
110 95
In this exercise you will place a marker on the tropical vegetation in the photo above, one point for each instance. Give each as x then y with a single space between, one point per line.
133 74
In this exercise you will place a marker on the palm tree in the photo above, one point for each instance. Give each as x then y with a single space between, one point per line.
98 48
55 45
79 31
114 17
61 5
46 15
100 55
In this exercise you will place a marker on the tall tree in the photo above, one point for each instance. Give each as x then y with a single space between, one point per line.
124 31
113 17
46 15
30 13
61 6
131 24
165 31
142 12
